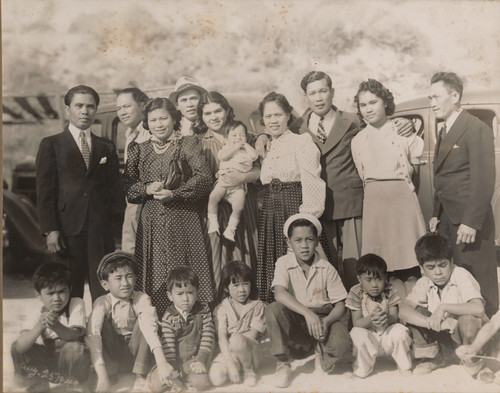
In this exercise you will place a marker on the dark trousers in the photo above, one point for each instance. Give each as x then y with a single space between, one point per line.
125 354
68 365
85 251
428 344
479 258
290 337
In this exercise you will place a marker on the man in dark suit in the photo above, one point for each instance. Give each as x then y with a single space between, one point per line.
464 180
78 187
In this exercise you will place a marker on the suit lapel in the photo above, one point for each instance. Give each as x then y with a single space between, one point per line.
96 152
340 127
72 151
450 139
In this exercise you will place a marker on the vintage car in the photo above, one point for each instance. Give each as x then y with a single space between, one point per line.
485 105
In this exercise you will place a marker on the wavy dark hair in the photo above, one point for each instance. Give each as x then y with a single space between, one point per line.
234 272
80 89
212 97
377 88
281 101
451 80
51 274
161 103
314 76
432 247
137 94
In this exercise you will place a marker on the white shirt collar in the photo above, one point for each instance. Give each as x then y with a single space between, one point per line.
327 117
75 133
451 119
183 313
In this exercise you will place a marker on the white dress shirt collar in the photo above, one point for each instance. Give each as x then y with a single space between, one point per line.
451 119
75 133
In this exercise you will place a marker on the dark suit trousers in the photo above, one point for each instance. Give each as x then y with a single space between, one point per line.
85 251
479 258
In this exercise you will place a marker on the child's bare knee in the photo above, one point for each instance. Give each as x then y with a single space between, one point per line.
217 374
238 343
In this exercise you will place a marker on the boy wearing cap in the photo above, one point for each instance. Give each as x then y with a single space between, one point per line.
186 95
309 308
122 329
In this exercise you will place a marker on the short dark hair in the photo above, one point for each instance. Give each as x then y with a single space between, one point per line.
180 277
50 274
234 272
433 247
451 80
161 103
301 222
372 264
137 94
212 97
377 88
281 101
314 76
80 89
112 262
233 124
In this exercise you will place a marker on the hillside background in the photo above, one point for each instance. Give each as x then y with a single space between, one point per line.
240 46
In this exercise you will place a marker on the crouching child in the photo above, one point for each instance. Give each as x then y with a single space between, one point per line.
50 347
187 335
445 308
309 311
374 310
122 329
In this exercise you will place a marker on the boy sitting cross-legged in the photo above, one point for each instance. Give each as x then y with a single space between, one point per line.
309 309
122 329
374 309
50 347
187 334
445 308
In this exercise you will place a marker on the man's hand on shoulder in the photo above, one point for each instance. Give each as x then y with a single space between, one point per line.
55 242
404 127
466 234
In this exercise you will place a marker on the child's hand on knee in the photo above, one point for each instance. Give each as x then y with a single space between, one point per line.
198 368
465 352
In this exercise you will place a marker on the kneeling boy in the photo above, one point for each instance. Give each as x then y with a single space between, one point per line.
445 308
187 332
374 309
50 347
309 307
122 330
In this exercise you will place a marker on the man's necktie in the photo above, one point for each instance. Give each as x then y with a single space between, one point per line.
85 149
321 131
442 133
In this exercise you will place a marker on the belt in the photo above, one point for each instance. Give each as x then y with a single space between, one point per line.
277 185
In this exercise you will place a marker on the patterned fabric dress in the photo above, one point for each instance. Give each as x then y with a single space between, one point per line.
220 250
291 173
169 235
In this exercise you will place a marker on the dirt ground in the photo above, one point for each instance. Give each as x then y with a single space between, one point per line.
19 299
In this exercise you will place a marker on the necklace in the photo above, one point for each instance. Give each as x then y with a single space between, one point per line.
160 147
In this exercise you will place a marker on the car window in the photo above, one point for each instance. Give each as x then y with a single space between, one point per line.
96 128
488 116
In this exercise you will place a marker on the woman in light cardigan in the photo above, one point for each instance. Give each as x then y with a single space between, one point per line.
392 218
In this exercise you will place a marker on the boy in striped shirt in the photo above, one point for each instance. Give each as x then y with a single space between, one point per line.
187 333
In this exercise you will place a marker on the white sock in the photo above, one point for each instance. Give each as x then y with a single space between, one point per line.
213 223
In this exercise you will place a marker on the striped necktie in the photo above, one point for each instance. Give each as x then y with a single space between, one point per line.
85 149
321 131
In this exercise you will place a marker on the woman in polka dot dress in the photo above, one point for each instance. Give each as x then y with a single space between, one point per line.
291 174
215 112
169 232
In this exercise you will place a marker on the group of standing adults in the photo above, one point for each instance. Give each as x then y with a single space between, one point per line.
347 170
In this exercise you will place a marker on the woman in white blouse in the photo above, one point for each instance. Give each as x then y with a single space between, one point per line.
392 218
291 174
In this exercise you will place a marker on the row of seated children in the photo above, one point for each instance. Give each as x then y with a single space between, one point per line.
445 309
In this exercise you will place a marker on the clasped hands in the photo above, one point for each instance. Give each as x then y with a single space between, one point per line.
156 189
316 326
438 321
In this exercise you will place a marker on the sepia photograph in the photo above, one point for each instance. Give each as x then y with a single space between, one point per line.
250 196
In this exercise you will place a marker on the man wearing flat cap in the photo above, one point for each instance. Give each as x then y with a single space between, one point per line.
186 96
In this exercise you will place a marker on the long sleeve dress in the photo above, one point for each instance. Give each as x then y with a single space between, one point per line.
291 173
169 235
392 218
